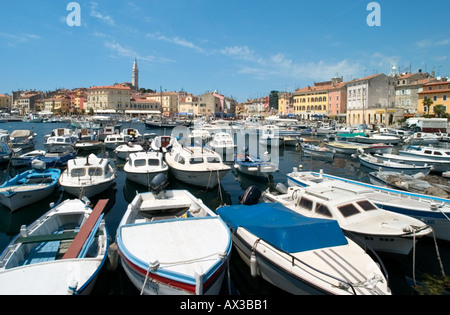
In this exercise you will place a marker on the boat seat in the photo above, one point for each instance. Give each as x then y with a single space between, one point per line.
51 237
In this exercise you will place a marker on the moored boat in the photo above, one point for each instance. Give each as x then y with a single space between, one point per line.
356 215
433 211
87 176
60 253
188 249
301 255
30 186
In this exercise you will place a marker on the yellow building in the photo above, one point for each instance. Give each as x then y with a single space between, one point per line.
4 101
284 104
105 99
312 101
438 92
169 101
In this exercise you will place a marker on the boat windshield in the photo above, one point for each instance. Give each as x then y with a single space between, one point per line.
366 205
78 172
348 210
95 171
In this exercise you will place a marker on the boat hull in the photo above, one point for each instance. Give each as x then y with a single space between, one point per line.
87 190
22 199
432 211
143 178
384 166
205 179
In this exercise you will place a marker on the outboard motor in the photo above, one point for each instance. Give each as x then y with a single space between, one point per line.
251 196
159 183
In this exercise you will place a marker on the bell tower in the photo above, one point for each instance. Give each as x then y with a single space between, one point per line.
135 76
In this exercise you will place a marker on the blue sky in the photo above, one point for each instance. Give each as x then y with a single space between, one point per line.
243 49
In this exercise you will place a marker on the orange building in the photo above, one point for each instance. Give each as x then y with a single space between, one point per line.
439 92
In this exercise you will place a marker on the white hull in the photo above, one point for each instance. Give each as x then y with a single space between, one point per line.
143 178
87 190
278 268
206 179
25 198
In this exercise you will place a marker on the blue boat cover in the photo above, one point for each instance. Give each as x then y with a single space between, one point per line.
284 228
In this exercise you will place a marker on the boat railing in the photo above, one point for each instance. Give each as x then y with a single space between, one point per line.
295 260
393 192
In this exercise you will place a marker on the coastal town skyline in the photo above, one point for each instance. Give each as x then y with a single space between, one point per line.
242 50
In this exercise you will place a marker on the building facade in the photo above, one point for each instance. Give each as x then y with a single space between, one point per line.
407 90
438 92
5 102
371 100
312 102
108 99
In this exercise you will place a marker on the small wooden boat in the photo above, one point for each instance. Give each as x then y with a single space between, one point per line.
30 186
25 159
375 163
170 243
61 253
254 166
316 150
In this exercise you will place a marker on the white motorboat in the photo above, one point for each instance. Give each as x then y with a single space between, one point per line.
223 143
170 243
301 255
113 141
375 163
60 140
377 138
431 210
423 138
198 166
60 253
87 176
437 166
430 152
124 150
355 214
142 167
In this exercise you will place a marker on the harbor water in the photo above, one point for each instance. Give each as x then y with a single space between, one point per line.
401 269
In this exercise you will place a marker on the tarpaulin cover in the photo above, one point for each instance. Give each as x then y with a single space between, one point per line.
284 228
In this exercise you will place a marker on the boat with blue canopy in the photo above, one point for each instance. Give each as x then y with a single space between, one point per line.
301 255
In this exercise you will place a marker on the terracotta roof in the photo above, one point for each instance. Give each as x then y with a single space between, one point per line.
110 87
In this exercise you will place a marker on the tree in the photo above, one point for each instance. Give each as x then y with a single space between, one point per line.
427 102
440 111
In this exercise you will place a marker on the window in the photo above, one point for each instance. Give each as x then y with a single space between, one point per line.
139 163
95 171
323 210
213 160
348 210
77 172
366 205
196 160
305 203
444 97
153 162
